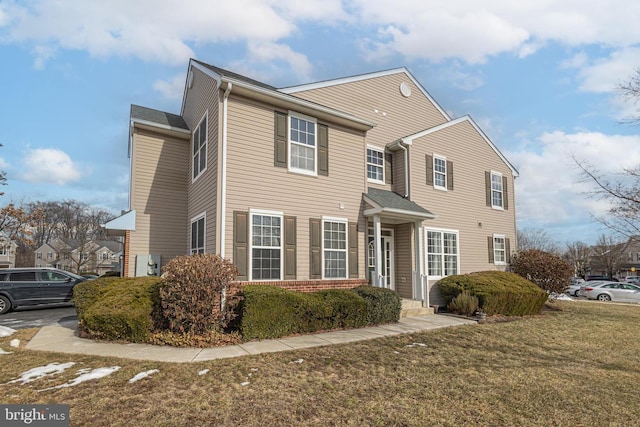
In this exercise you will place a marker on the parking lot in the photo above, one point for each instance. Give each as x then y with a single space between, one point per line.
38 317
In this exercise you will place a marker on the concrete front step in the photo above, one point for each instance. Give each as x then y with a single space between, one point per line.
412 308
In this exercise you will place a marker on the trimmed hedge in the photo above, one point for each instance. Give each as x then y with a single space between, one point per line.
383 305
498 292
117 309
272 312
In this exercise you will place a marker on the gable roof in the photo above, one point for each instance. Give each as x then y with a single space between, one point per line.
367 76
230 74
409 139
390 203
141 114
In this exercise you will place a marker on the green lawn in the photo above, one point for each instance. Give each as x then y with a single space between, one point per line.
575 366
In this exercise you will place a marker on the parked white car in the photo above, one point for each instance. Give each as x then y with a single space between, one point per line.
574 287
613 291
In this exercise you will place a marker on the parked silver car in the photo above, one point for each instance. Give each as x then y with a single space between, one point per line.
574 286
613 291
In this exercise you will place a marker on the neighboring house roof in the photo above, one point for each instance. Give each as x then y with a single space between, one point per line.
149 115
391 203
367 76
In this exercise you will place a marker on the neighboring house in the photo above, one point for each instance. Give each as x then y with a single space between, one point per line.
96 256
630 258
364 179
8 249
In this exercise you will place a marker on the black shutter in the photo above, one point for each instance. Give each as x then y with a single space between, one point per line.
490 247
323 150
429 170
280 140
290 248
241 244
388 168
507 249
449 175
487 187
315 249
505 194
353 250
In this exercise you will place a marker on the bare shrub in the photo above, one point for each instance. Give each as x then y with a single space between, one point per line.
546 270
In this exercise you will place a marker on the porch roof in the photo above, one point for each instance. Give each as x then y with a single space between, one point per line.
393 205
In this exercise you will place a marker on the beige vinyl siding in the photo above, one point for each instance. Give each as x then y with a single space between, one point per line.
464 209
379 100
158 195
253 182
404 260
204 97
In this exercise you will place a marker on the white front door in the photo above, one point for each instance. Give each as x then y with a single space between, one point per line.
387 269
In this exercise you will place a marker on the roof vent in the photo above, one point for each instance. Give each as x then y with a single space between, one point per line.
405 90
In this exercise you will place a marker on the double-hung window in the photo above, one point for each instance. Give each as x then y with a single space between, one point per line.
302 144
499 249
442 252
200 148
440 172
335 248
375 165
496 190
266 246
198 235
4 250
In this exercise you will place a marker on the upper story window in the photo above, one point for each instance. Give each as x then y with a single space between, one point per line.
104 256
335 248
4 250
442 252
440 172
302 144
197 235
266 246
39 255
200 148
496 190
49 255
375 165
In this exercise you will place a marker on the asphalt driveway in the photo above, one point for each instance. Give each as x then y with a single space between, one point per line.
38 317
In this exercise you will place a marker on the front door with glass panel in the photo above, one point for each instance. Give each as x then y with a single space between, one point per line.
387 269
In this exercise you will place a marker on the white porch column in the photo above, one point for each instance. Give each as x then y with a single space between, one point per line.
377 237
421 291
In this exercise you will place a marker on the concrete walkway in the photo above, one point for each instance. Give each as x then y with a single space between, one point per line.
62 338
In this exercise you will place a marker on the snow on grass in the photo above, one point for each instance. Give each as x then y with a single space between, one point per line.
5 352
6 332
204 371
142 375
86 375
42 371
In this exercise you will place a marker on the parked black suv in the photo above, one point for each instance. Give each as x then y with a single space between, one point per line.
21 287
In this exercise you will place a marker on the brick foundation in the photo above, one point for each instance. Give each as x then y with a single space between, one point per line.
311 285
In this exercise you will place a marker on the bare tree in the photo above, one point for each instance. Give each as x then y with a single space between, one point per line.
536 238
630 91
578 254
607 256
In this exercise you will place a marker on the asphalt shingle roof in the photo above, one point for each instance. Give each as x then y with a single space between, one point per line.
391 200
236 76
156 116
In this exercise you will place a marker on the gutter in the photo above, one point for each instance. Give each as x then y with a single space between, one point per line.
223 185
402 144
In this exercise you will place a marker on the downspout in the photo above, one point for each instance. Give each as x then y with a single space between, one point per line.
406 169
223 184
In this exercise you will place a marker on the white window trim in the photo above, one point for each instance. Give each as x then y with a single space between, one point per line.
504 239
289 142
380 150
206 165
203 215
346 245
497 207
439 187
426 249
263 212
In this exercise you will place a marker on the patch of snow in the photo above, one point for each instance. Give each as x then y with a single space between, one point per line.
396 352
254 369
416 344
245 383
142 375
14 343
94 374
297 361
42 371
560 297
6 332
204 371
5 352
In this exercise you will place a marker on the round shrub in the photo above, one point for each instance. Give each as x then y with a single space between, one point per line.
198 293
498 292
383 305
546 270
464 303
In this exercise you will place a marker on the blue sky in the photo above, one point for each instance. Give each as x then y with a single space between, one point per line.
538 76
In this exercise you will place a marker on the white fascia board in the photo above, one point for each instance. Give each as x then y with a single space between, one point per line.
328 83
467 118
125 222
160 126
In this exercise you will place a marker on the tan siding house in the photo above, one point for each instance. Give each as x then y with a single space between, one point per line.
364 179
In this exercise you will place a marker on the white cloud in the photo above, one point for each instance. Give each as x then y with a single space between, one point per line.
550 189
3 163
50 166
605 74
172 88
